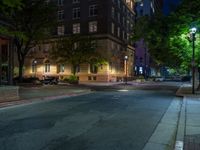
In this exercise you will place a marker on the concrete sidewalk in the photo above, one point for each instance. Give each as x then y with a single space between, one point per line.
188 134
44 93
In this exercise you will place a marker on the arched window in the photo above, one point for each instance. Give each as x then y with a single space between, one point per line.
47 66
93 68
34 66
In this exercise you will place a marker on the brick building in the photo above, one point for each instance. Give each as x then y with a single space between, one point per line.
111 22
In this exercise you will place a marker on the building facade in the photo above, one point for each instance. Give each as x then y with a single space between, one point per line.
110 22
144 64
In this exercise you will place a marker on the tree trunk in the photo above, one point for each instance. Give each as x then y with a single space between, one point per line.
21 65
74 70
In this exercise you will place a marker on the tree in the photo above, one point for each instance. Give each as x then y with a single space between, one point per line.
29 25
76 50
9 5
167 36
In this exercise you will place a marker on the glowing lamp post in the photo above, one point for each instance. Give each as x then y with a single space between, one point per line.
193 32
126 69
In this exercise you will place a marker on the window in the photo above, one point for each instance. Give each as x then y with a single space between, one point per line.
113 28
118 2
128 36
113 12
118 31
76 45
118 17
60 15
112 45
61 30
47 66
93 10
46 48
34 66
60 2
93 26
76 28
123 21
76 1
76 13
93 68
62 68
76 69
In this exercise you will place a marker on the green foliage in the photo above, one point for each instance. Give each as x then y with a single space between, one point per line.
28 25
167 37
10 5
72 79
76 50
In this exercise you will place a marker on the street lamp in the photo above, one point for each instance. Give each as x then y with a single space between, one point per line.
126 63
35 63
193 32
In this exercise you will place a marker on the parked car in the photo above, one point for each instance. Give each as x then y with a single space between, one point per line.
186 78
177 78
50 80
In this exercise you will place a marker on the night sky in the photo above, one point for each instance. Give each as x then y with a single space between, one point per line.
167 4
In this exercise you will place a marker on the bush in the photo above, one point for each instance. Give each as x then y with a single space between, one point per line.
72 79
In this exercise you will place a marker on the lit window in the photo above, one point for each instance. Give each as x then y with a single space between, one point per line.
47 66
113 28
76 13
93 68
93 26
61 30
93 10
34 66
76 28
62 68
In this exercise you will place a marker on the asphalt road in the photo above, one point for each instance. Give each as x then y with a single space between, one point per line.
114 120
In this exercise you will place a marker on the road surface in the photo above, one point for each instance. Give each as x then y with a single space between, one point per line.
113 120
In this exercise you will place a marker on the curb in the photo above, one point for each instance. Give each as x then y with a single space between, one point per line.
41 99
179 143
164 134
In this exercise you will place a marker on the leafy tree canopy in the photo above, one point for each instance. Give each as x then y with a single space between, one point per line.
76 50
7 5
28 25
168 37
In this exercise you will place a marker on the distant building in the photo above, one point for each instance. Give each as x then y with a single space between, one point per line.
144 64
111 22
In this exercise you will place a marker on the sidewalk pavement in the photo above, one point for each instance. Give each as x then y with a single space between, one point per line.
188 133
45 93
